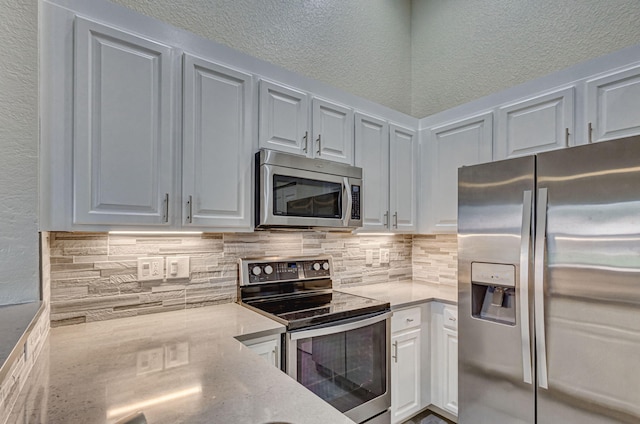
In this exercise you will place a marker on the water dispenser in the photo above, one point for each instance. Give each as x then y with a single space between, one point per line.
493 292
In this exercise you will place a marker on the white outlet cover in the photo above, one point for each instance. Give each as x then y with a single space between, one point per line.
150 268
177 267
384 256
368 257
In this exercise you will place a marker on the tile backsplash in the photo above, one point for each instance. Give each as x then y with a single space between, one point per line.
435 259
94 275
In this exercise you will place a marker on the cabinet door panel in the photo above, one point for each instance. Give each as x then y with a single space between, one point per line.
332 131
405 375
372 155
612 105
403 147
536 125
465 142
216 145
450 389
284 119
123 127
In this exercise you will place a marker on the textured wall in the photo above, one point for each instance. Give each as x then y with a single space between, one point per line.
360 46
93 275
18 152
465 49
435 259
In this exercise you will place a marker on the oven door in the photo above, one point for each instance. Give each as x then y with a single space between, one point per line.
346 364
301 198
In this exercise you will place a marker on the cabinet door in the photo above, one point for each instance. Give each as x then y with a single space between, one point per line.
405 375
372 155
450 381
465 142
612 105
536 125
216 145
332 131
268 348
402 182
123 145
284 119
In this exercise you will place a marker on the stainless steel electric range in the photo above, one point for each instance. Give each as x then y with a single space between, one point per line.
336 344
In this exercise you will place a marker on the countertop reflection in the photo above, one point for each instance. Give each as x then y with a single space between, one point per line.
177 367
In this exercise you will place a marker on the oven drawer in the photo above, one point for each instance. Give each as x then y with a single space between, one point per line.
405 319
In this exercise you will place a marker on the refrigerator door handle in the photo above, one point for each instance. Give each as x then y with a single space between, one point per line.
541 344
525 246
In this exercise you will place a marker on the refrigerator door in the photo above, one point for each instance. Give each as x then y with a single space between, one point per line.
588 284
494 264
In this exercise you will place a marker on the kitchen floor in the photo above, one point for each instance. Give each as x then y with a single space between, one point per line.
427 417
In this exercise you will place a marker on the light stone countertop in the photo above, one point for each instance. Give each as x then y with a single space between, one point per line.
405 294
177 367
15 320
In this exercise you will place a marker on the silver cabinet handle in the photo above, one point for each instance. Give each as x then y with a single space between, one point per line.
386 219
541 343
306 141
395 348
453 319
590 132
409 319
319 140
190 210
525 254
165 216
395 220
566 136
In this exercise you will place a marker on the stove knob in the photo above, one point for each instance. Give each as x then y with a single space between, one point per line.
316 266
268 269
325 266
256 270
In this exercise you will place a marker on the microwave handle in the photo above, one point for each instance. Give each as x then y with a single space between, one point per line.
347 211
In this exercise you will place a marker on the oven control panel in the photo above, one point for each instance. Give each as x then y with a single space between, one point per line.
255 271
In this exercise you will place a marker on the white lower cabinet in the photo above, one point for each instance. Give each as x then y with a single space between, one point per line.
444 359
409 362
268 348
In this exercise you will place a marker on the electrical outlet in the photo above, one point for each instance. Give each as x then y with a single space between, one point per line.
368 257
177 267
150 268
384 256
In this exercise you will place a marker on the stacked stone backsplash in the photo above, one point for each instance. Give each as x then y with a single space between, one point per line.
94 275
435 259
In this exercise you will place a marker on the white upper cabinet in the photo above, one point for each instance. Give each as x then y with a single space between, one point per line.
332 131
464 142
372 155
613 105
284 119
403 178
317 128
217 146
534 125
124 117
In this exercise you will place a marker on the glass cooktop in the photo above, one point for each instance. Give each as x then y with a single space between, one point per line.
306 310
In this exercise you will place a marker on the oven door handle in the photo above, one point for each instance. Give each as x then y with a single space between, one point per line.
339 328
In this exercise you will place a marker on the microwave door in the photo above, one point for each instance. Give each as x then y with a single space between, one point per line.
294 197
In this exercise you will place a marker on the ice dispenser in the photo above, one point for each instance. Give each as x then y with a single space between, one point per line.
493 292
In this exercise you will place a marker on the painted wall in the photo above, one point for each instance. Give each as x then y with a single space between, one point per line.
18 152
465 49
360 46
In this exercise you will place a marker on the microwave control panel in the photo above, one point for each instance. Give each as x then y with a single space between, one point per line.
355 205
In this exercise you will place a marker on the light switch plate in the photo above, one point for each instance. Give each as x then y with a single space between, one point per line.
368 257
177 267
150 268
384 256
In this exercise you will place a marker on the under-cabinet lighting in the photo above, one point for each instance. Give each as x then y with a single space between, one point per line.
374 234
154 233
179 394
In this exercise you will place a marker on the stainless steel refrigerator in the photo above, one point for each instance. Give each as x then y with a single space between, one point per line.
549 287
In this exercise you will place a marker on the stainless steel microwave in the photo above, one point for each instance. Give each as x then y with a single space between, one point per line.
297 192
